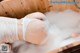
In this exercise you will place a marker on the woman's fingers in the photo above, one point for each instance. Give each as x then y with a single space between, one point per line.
74 35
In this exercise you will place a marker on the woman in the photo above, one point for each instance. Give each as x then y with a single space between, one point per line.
29 28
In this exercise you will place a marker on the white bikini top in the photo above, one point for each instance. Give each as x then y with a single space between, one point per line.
25 23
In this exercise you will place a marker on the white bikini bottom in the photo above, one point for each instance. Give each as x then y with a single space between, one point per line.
25 23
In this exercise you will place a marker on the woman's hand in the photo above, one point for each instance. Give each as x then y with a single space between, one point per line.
75 34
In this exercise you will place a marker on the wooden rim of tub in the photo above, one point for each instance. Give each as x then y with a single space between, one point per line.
20 8
61 49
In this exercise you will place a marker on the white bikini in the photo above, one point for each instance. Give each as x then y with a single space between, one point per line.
25 23
9 29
